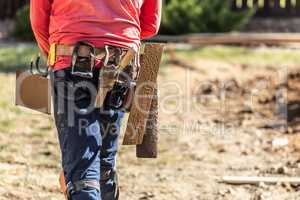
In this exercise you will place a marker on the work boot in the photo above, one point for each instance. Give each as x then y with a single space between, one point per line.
107 196
63 186
109 185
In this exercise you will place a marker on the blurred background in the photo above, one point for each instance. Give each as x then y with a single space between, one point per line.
229 88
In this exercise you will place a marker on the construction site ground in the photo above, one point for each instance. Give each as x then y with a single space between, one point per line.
224 111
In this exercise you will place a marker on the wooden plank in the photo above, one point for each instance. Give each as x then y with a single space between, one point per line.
245 38
12 9
234 5
146 84
2 4
297 8
288 5
255 4
5 8
233 38
266 9
148 148
238 180
277 10
9 8
244 4
277 6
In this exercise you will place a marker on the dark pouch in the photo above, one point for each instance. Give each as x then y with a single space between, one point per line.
83 66
121 96
115 98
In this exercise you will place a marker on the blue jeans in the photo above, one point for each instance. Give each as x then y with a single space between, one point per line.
88 137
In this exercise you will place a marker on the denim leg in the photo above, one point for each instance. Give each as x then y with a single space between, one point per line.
110 133
79 136
81 160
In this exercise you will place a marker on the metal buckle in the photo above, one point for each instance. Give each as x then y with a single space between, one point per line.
91 57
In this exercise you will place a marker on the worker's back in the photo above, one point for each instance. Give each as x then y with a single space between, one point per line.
119 23
64 29
98 21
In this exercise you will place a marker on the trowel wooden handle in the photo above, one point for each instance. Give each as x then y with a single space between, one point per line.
129 56
99 101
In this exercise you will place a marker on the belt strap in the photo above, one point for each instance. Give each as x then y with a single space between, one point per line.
67 50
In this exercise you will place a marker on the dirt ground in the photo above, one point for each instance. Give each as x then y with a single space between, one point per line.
217 119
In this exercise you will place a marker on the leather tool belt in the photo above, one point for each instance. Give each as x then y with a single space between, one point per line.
84 50
117 78
84 56
117 75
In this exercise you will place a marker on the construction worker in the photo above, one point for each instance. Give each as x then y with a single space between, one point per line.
80 37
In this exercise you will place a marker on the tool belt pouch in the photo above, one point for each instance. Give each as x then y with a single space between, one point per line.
121 95
130 74
83 64
128 98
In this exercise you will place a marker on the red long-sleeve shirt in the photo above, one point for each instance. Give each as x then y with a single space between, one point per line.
121 23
